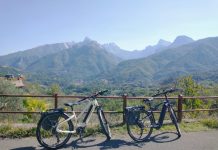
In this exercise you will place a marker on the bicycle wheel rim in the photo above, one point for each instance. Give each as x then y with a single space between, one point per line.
51 138
104 124
141 130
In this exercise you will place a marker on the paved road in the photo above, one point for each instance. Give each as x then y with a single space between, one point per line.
162 141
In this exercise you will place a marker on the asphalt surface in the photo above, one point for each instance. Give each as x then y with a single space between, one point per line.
207 140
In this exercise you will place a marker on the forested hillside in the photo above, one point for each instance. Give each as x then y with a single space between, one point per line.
199 56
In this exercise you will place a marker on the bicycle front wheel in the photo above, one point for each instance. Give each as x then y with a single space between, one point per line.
46 132
104 124
141 129
174 120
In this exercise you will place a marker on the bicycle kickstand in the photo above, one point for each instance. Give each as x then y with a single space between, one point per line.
81 136
80 131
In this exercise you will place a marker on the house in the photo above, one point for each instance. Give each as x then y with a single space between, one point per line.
17 81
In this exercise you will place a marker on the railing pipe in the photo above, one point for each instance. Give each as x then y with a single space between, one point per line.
55 100
125 97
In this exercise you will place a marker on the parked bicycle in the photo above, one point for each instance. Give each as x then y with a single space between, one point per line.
55 127
140 122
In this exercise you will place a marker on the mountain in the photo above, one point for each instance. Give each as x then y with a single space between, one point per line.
149 50
181 40
192 58
8 70
90 61
123 54
117 51
161 45
23 59
126 55
162 42
82 60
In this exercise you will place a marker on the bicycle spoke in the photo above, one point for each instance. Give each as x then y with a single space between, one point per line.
48 136
141 130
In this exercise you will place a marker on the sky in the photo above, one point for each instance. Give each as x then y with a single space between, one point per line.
131 24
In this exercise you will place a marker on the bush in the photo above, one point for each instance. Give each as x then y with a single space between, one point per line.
9 103
6 131
211 123
31 105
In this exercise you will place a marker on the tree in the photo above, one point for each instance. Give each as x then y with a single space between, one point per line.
54 89
9 103
191 88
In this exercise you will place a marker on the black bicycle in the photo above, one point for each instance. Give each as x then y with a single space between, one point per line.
55 127
140 122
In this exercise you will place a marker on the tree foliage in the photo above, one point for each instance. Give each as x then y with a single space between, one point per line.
9 103
191 88
54 89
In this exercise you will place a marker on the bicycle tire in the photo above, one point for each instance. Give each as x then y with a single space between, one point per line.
143 126
174 120
51 133
104 124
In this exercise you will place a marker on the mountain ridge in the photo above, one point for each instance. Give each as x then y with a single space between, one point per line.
183 60
82 60
90 61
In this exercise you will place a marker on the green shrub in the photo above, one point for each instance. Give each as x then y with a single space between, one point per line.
6 131
31 105
9 103
34 104
211 123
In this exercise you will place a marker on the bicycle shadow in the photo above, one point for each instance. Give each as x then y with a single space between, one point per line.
164 137
29 148
24 148
103 144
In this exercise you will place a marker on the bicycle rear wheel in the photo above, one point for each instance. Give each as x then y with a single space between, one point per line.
46 133
140 130
104 124
174 120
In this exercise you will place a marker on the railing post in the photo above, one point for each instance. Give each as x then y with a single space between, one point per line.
179 113
124 106
55 101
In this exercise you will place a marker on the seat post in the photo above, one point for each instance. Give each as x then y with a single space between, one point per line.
71 107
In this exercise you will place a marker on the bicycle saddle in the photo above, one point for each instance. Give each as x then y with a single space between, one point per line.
71 104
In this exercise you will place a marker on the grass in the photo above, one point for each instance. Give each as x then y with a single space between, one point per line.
7 131
211 123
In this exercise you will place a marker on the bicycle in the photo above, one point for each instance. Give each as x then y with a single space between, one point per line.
140 122
55 127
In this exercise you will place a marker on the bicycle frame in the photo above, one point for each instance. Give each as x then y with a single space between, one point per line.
166 105
89 109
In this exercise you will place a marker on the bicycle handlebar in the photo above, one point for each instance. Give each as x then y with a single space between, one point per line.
94 95
102 92
165 92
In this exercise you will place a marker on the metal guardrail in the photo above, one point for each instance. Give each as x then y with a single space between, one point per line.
124 98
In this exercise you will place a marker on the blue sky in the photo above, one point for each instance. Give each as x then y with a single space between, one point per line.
130 24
